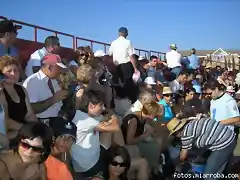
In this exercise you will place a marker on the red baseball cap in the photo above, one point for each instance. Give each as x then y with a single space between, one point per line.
53 59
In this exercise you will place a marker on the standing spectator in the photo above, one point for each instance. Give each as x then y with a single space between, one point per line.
194 62
51 46
8 34
121 49
174 60
43 90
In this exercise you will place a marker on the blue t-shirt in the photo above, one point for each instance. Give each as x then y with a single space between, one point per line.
193 62
168 115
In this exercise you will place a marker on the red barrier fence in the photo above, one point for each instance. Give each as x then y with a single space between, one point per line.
76 40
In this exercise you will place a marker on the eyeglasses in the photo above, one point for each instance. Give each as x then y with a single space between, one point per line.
115 163
27 146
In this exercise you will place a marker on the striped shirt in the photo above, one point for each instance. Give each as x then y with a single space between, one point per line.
206 133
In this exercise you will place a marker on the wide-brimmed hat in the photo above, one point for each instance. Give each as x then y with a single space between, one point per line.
166 90
208 65
175 125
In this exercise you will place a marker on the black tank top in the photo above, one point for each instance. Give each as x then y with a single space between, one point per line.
124 127
17 111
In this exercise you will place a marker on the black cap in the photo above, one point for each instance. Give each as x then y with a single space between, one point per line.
8 26
123 30
61 127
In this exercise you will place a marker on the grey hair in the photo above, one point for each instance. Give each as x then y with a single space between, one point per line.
147 95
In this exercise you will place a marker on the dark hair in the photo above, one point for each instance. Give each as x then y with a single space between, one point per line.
51 40
183 73
90 96
136 57
213 85
192 108
153 57
121 151
33 130
187 91
193 50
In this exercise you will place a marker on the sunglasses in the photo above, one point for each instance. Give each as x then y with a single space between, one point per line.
27 146
115 163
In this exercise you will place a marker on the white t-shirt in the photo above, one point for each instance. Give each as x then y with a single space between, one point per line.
38 90
224 108
173 59
35 60
175 86
121 49
86 151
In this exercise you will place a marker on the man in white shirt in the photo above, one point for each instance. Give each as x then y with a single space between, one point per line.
174 60
43 90
88 154
121 49
51 46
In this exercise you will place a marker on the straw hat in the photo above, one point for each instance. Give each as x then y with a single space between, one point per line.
166 90
208 65
175 124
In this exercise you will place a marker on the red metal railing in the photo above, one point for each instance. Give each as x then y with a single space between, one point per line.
75 40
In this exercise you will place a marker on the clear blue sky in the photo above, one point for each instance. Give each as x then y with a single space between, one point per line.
152 24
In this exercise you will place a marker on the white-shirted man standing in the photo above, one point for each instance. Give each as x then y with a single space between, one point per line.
51 46
121 49
174 60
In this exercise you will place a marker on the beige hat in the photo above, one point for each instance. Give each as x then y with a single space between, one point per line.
167 90
175 124
208 65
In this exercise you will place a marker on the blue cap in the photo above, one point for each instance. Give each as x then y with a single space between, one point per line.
123 30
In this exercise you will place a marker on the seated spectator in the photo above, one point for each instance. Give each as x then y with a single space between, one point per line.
167 103
65 135
8 34
84 74
133 126
84 55
190 94
178 84
43 89
88 153
145 96
197 134
32 147
118 161
17 108
99 70
51 46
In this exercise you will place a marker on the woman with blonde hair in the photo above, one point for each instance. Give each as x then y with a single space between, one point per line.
134 132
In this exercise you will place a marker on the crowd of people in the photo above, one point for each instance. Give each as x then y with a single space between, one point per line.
115 116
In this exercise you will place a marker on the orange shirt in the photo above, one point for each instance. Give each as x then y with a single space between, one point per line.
57 170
